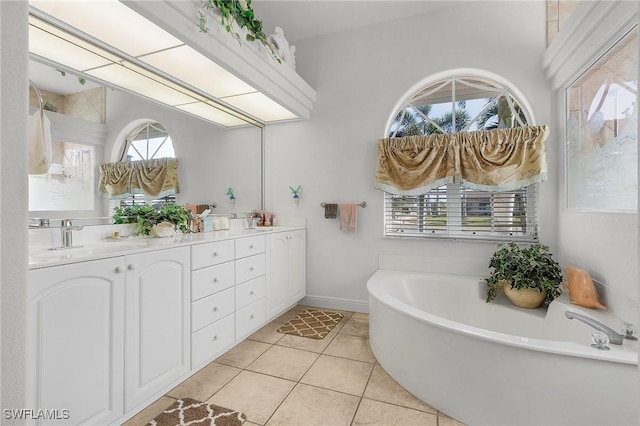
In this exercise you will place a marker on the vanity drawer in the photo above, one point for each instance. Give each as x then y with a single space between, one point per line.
211 308
209 254
249 268
250 291
207 281
210 341
250 246
250 318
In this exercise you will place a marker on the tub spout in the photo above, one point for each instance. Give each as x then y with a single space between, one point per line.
614 337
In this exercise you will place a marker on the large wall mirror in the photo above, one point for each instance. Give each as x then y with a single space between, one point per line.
90 124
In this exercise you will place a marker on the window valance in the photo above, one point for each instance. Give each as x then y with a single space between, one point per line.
157 177
486 160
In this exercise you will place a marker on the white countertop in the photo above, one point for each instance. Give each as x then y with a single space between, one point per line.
41 256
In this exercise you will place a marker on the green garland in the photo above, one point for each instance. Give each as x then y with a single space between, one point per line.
237 12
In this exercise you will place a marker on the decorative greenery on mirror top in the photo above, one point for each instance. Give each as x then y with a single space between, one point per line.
530 267
237 12
146 216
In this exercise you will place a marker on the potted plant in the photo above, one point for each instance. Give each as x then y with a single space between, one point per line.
147 217
528 276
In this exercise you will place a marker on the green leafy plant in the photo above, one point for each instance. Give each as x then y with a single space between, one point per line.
236 12
530 267
146 216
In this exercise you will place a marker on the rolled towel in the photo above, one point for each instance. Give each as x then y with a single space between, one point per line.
348 217
39 143
330 211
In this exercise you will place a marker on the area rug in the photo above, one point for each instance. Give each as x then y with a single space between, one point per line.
312 324
188 411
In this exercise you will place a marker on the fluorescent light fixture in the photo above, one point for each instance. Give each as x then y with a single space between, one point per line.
259 105
58 46
201 72
113 44
112 23
211 113
122 75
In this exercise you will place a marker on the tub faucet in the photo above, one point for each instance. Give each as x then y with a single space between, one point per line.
614 337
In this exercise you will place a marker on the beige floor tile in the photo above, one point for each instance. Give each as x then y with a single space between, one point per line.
352 347
145 416
205 382
383 388
305 343
356 326
360 315
268 333
287 316
243 354
256 395
339 374
380 413
444 420
286 363
310 406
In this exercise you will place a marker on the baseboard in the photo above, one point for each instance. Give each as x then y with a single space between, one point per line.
336 303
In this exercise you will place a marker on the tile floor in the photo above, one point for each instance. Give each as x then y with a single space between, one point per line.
279 379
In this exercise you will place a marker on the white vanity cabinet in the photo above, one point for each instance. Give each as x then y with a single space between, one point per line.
286 270
157 328
212 300
250 284
75 352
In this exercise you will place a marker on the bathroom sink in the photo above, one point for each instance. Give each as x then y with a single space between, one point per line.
260 229
92 249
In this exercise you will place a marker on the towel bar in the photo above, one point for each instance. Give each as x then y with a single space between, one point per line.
362 204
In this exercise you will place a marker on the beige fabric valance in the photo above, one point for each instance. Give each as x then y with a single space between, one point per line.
486 160
158 178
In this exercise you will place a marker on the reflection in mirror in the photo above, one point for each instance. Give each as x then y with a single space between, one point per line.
211 158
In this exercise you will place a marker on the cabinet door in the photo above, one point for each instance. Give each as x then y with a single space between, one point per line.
277 297
297 266
75 338
157 343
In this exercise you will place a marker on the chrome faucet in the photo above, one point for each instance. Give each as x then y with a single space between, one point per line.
614 337
38 223
66 233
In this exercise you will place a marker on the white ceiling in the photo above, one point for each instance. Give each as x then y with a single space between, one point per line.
300 20
305 19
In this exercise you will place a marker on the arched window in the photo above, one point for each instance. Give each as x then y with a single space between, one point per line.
147 141
451 103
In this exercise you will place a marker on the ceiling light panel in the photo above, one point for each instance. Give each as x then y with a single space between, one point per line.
111 22
58 46
260 106
201 71
212 113
129 79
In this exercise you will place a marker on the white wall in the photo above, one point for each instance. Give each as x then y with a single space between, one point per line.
13 202
603 244
359 77
210 158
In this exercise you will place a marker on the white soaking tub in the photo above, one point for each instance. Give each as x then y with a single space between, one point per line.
496 364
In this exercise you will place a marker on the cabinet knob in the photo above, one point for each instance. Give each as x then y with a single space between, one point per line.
251 268
215 337
215 280
252 292
132 266
215 254
252 316
251 246
119 269
215 309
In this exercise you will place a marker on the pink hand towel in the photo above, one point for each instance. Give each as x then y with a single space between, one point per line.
348 217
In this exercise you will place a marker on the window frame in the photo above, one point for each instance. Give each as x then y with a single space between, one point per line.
454 228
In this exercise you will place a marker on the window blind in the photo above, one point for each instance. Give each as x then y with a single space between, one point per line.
453 211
